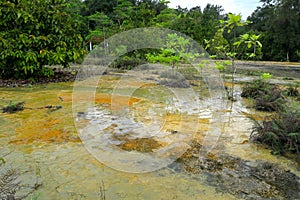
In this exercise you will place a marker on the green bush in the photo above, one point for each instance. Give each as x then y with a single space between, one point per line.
281 132
267 97
34 34
255 89
270 100
127 62
9 185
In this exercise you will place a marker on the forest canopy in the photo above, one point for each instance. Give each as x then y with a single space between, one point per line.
39 33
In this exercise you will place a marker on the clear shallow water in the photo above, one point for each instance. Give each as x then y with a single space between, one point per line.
46 141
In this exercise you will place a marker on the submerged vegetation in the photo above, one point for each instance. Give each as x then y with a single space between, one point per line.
11 185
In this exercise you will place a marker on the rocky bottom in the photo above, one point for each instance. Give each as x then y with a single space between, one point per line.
242 178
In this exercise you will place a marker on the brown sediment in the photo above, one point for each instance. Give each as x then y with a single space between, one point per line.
229 84
145 145
42 131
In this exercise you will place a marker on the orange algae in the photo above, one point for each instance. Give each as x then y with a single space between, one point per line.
43 131
116 100
229 84
102 99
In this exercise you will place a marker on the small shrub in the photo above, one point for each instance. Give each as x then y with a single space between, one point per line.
270 100
14 183
13 107
127 62
253 73
291 91
255 89
267 97
287 79
266 76
281 132
145 67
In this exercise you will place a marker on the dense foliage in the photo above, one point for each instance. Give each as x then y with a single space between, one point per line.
34 34
279 22
37 33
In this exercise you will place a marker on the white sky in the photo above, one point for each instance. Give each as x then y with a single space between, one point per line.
245 7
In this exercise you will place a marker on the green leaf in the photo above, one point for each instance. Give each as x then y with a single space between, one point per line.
19 15
293 134
2 160
259 43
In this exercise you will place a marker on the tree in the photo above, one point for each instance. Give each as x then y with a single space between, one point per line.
286 26
166 18
104 27
122 14
217 46
75 9
220 45
211 20
143 15
250 41
156 5
93 6
279 21
36 33
176 49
